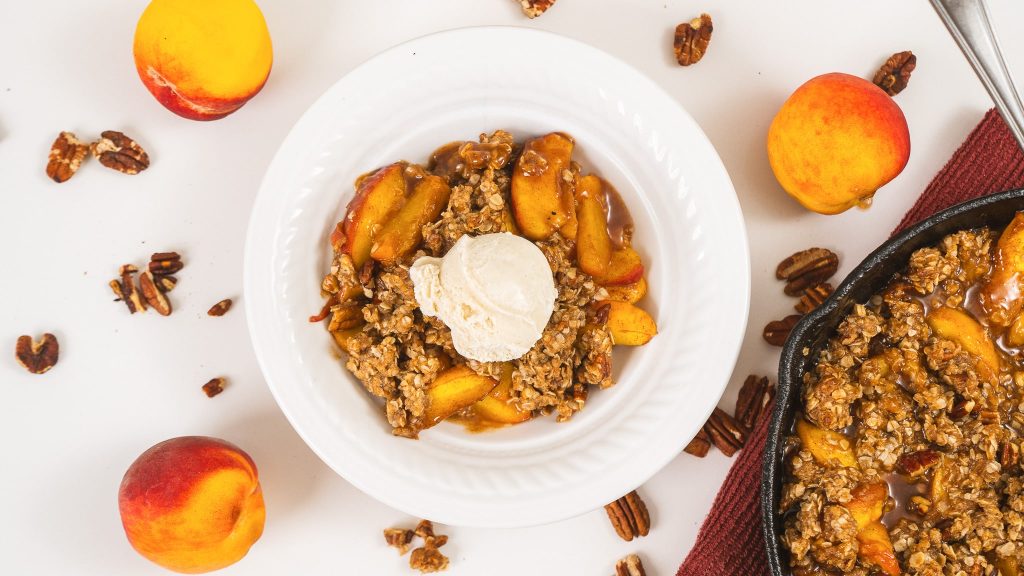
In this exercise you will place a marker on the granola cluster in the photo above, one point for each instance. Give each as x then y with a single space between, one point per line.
398 352
930 409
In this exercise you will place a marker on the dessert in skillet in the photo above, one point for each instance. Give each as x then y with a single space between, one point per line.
906 457
487 287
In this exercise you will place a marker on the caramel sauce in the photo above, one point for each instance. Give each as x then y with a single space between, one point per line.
620 221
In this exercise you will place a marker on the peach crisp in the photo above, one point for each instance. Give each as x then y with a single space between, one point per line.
575 223
905 458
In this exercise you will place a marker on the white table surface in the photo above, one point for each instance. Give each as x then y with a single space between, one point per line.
126 382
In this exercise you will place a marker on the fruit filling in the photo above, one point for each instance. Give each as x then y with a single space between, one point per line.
540 327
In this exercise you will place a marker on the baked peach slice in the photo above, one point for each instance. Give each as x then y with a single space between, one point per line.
593 244
625 267
342 337
876 548
404 231
867 502
496 405
961 328
827 447
454 389
1002 296
542 200
378 197
1007 566
630 325
631 293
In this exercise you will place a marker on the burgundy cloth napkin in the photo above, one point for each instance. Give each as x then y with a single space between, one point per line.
730 542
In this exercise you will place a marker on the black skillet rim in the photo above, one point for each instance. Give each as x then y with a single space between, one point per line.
867 278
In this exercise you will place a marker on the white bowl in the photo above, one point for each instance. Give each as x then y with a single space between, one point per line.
453 85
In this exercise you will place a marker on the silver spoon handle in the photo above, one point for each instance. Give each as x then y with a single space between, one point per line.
968 23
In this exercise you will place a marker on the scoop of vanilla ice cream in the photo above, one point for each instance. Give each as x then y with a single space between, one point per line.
495 292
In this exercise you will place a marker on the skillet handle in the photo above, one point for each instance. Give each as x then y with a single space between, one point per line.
968 23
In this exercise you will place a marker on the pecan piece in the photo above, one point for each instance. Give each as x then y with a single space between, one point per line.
220 308
914 464
813 297
119 152
988 416
629 516
1009 455
806 269
894 75
125 289
919 505
534 8
961 408
750 403
66 155
630 566
153 295
700 444
399 538
37 357
726 433
428 558
692 39
777 332
214 387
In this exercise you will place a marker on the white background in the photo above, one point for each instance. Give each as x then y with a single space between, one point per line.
126 382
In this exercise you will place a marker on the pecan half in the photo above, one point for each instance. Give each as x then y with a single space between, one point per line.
153 295
700 444
398 538
813 297
806 269
165 263
692 39
750 403
777 332
37 357
914 464
630 566
534 8
220 308
213 387
726 433
629 516
894 75
119 152
166 283
66 155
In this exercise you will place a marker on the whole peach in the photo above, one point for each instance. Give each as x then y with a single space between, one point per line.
835 141
203 59
192 504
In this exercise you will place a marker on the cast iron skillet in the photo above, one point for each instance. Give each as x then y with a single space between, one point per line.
813 331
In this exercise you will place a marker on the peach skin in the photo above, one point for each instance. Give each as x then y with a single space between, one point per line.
203 59
837 140
192 504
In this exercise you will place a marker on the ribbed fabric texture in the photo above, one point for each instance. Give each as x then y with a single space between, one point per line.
730 542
